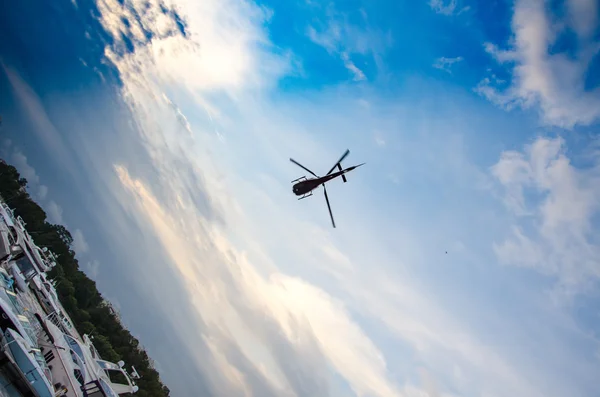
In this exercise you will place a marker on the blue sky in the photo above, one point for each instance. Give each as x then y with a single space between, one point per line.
160 133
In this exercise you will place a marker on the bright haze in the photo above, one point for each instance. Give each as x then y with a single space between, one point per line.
466 258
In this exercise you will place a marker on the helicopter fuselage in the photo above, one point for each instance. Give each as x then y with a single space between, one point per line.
306 186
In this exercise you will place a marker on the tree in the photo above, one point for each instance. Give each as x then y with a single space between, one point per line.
78 293
64 234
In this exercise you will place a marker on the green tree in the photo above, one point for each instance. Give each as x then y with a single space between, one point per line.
77 292
63 233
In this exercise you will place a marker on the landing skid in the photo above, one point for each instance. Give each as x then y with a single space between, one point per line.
305 196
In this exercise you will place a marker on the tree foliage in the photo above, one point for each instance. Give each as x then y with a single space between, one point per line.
81 299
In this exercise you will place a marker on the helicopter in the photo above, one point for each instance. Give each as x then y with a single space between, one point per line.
305 186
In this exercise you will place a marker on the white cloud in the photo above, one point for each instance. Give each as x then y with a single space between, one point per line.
584 16
54 212
429 383
80 245
343 39
553 80
379 139
93 269
557 237
303 313
42 192
223 284
447 7
26 170
443 7
445 64
328 39
224 52
358 74
231 291
267 282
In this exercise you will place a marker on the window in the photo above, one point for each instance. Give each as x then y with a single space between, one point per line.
78 376
25 265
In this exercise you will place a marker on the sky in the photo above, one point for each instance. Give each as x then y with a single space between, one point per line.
465 261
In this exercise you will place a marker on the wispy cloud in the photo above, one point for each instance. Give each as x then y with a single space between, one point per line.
558 238
379 139
40 121
42 192
80 245
294 342
447 7
358 74
288 303
224 59
55 212
26 170
93 269
264 281
16 156
441 7
445 64
553 80
343 39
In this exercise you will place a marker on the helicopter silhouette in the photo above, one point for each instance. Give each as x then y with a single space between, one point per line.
305 186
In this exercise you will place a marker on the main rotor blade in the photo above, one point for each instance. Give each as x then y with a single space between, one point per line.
328 206
339 161
303 167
